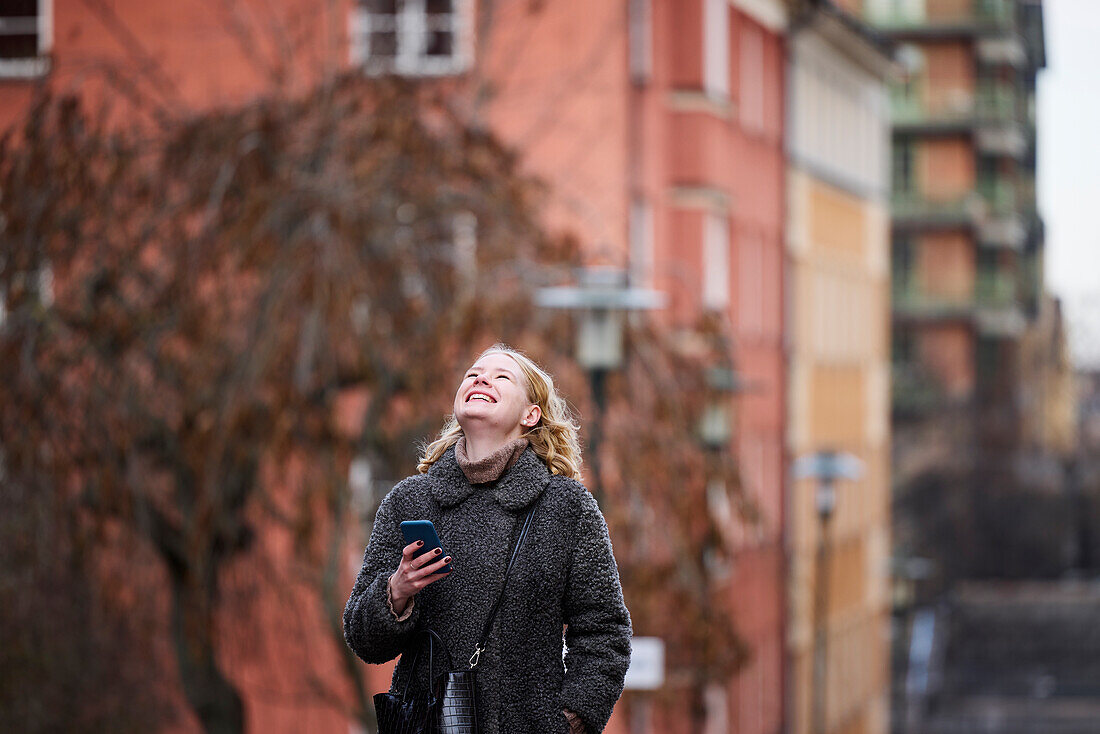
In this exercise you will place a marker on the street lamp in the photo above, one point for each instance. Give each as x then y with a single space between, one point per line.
715 425
601 297
716 422
826 467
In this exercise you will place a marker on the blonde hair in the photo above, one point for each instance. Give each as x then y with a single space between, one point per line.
554 437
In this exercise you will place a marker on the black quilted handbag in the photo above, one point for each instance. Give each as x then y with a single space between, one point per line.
451 704
418 714
458 709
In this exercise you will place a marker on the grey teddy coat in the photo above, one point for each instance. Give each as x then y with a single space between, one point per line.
565 575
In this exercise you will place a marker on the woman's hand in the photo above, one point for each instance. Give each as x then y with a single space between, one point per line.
414 573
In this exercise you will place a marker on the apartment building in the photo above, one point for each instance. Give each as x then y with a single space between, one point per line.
838 227
967 239
967 285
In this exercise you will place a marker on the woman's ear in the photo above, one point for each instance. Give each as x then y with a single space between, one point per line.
531 417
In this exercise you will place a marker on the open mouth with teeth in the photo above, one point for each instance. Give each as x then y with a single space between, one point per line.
479 396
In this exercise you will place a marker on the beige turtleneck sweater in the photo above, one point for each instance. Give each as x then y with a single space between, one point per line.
489 468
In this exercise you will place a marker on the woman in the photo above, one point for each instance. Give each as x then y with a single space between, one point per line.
511 442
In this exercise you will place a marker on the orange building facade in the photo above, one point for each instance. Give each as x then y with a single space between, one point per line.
838 142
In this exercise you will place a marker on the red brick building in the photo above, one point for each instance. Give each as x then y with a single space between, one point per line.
658 124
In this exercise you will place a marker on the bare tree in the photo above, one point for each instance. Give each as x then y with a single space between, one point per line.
214 291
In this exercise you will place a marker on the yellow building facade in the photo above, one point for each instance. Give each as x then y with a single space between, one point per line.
838 290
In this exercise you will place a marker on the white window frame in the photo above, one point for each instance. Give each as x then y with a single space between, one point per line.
42 26
716 261
716 49
641 40
751 95
410 24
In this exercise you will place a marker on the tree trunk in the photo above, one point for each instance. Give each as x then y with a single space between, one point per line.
212 697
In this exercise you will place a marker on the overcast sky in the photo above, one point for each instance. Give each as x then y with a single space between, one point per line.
1069 166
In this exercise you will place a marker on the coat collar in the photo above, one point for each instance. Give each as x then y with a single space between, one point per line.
515 490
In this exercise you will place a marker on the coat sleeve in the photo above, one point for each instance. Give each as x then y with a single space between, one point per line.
598 634
370 628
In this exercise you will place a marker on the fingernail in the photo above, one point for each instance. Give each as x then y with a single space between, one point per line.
419 543
447 559
438 551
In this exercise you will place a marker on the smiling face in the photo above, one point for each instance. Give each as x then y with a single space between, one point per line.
493 398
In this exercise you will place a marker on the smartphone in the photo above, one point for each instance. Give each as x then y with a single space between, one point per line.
415 530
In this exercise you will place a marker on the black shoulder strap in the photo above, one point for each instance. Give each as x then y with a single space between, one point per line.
432 639
511 562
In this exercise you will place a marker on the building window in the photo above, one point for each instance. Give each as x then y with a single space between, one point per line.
25 37
904 171
641 244
716 262
903 346
752 78
410 37
641 40
903 264
716 48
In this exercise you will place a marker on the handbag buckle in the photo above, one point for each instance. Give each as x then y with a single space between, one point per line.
475 657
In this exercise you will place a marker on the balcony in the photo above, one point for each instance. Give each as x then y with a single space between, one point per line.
998 209
912 301
961 17
1008 50
995 290
994 304
917 210
997 103
909 108
1026 202
1003 224
999 120
999 195
997 304
992 111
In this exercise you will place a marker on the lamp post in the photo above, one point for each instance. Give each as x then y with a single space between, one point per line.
910 625
601 297
826 467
